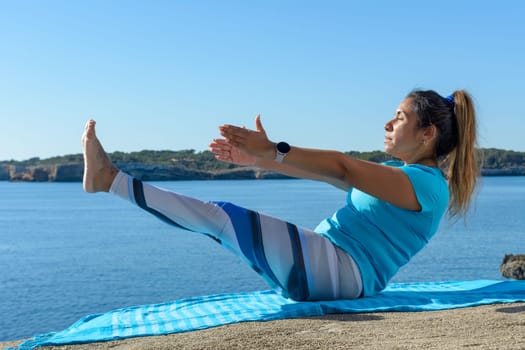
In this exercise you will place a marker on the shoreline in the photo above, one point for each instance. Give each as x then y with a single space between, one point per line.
496 326
73 172
249 175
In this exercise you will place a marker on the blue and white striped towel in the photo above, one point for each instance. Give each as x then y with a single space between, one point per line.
216 310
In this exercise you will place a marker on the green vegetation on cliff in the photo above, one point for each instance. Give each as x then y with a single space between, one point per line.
493 158
186 158
189 164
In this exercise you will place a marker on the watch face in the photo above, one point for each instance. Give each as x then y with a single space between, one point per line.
283 147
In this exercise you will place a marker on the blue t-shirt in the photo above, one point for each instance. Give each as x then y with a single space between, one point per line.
381 237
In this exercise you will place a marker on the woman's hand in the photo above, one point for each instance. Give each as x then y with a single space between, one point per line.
227 153
251 142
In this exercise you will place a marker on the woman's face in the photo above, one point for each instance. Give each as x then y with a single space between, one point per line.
403 137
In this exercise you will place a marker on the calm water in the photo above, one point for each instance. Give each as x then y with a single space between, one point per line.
65 254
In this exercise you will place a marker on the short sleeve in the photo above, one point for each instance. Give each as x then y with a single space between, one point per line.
429 185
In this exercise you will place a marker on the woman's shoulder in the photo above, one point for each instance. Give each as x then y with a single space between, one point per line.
430 185
435 171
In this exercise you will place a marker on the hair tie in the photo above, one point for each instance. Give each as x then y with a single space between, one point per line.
450 100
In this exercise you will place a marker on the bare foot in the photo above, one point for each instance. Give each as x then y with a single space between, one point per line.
99 172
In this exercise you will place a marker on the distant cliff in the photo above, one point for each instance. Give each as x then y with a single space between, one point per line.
191 165
73 173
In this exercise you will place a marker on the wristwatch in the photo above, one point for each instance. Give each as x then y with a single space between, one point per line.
281 150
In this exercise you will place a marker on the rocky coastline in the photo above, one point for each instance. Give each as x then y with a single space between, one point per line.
72 172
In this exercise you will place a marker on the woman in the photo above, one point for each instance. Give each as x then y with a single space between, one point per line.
391 213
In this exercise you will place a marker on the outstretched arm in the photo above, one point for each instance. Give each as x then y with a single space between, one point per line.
387 183
227 152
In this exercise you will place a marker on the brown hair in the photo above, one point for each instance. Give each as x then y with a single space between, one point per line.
455 119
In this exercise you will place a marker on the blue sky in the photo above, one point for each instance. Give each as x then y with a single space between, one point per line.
328 74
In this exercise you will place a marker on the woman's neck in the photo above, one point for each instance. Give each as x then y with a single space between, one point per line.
428 160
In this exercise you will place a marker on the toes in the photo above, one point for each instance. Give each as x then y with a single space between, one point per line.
90 124
90 128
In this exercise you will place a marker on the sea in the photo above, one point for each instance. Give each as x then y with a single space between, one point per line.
65 254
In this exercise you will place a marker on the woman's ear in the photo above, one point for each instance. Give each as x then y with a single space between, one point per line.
429 134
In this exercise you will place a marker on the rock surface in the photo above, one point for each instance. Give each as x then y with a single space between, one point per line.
73 172
513 266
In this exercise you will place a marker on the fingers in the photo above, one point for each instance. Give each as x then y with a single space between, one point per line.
219 146
234 135
224 159
253 142
222 149
234 130
220 142
239 133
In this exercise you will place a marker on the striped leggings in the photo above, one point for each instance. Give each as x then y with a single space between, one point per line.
303 264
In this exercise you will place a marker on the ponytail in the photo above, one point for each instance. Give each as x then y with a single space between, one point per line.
455 119
461 163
